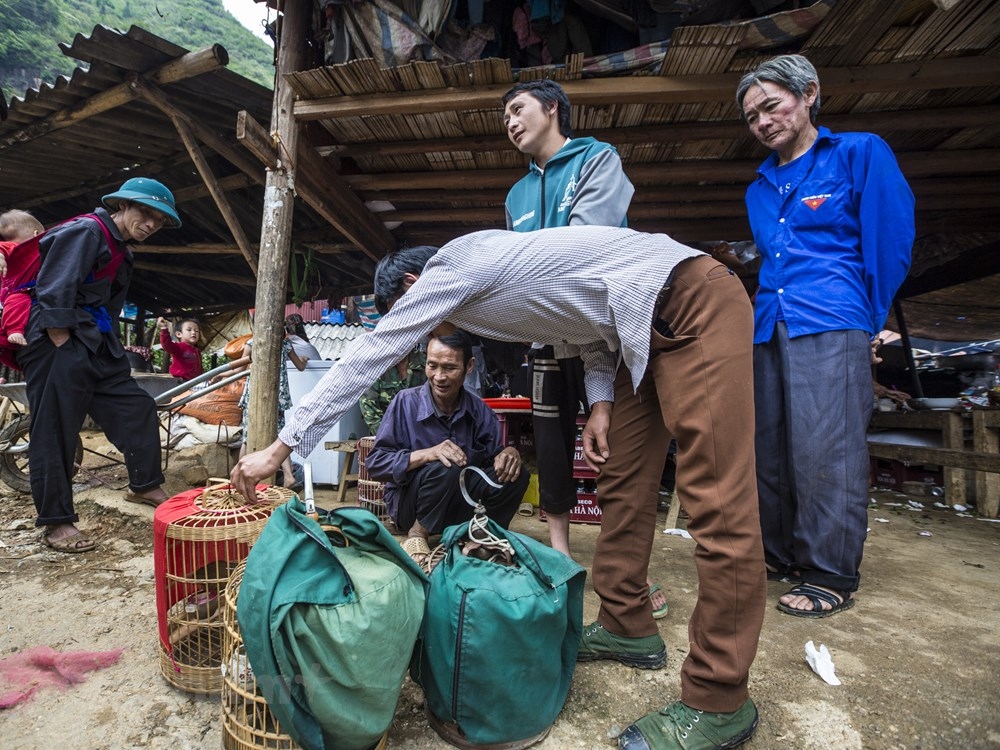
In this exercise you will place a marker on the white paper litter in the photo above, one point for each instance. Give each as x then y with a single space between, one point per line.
677 532
924 533
821 663
882 520
959 508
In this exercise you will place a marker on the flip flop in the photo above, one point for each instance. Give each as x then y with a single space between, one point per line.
663 610
131 497
71 545
838 601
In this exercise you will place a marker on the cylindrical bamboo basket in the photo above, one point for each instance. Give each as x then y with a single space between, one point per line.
370 492
202 549
247 722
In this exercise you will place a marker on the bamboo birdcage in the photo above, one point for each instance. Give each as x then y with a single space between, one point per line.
201 536
370 492
247 722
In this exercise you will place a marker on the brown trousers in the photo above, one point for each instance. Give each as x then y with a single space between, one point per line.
698 388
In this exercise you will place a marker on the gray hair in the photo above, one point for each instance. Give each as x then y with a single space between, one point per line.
793 72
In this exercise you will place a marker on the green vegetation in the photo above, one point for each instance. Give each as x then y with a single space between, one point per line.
32 32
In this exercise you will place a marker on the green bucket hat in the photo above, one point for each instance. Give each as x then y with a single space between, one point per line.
149 193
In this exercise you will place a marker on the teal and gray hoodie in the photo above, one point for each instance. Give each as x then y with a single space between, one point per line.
582 184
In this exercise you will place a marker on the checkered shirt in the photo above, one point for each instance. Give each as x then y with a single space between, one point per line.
591 286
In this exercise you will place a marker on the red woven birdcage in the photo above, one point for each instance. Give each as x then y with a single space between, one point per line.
200 536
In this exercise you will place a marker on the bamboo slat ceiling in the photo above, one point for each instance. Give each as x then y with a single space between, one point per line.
428 140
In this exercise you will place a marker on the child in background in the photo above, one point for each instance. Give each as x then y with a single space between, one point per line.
185 356
16 226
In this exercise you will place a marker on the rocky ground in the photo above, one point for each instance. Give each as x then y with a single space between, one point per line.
919 656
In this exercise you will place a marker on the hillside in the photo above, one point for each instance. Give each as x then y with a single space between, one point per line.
32 32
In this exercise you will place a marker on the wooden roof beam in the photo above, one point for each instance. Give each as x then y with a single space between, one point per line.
705 171
972 265
958 72
225 278
878 122
207 248
664 210
323 188
181 122
181 68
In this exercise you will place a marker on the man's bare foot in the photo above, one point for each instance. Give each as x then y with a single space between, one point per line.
65 537
16 339
658 599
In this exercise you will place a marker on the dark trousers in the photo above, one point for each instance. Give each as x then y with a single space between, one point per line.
814 400
557 391
697 388
64 385
432 496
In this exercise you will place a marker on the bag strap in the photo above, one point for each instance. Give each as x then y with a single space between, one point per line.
117 254
486 532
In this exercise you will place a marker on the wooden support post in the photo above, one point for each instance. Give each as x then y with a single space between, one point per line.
275 235
953 437
986 439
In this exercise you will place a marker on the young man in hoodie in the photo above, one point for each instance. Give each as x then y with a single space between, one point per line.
570 182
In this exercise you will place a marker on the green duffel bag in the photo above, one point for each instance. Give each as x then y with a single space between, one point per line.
498 646
329 619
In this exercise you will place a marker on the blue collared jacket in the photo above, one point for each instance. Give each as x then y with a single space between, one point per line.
835 230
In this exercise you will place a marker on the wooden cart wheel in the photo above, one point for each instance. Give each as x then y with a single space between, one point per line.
14 466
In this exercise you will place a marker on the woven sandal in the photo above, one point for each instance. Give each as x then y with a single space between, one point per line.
417 548
838 601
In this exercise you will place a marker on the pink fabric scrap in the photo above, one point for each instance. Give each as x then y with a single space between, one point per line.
23 674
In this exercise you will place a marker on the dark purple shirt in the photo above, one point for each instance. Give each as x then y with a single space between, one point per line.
412 423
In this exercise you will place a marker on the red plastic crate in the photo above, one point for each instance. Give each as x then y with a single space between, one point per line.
516 430
890 475
586 510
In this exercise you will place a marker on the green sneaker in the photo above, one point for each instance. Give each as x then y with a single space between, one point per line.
680 727
643 653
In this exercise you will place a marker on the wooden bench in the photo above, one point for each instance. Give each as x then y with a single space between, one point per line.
349 448
983 458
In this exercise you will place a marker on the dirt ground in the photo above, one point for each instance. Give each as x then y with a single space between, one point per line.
919 656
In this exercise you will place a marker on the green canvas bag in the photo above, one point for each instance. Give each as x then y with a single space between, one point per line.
498 646
329 620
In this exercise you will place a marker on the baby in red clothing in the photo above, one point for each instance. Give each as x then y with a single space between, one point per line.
16 227
185 356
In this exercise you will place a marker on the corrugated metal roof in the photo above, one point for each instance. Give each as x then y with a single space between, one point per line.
57 162
330 339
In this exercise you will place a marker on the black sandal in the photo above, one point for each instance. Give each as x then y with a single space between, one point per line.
838 601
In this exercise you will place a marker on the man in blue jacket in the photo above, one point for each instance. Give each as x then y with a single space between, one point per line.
832 216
